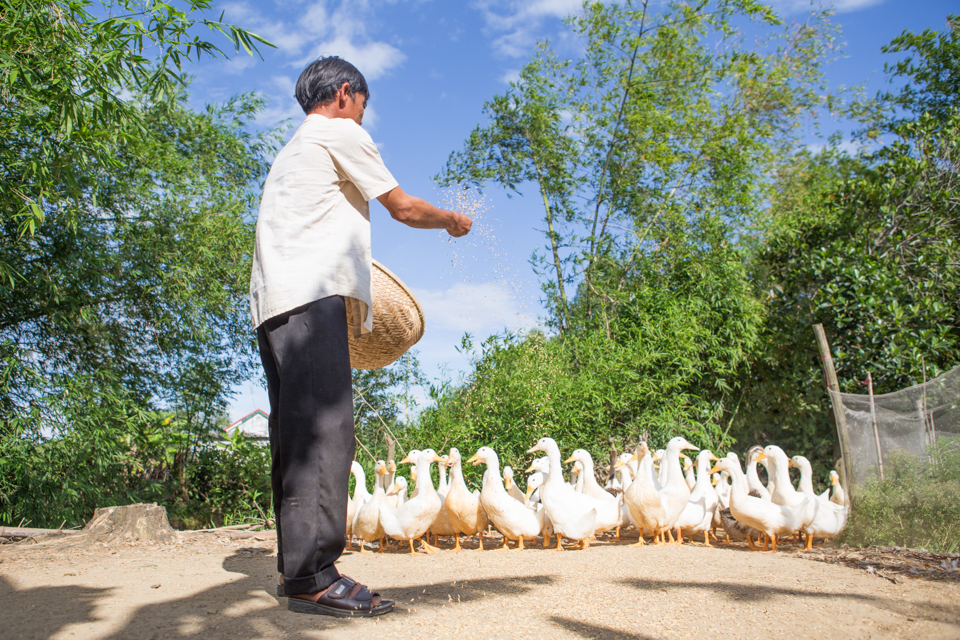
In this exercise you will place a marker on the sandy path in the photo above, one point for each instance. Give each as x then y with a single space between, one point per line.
215 589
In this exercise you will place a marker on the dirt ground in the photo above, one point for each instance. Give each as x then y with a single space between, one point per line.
216 588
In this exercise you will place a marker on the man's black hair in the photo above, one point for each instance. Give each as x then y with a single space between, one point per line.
320 81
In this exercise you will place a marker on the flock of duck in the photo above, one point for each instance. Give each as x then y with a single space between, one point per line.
653 492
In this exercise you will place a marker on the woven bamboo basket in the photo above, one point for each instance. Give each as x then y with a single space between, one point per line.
397 323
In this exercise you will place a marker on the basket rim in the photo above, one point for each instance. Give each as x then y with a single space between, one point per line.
399 282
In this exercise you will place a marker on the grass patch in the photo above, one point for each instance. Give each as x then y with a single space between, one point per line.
917 505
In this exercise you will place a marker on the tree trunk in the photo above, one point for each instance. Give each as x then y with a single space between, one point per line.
131 523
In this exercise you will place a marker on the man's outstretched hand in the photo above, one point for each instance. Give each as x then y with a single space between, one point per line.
460 224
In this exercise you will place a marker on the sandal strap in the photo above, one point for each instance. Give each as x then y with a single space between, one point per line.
348 593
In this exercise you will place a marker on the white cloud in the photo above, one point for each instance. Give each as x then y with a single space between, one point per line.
322 29
790 7
511 75
476 308
373 59
519 21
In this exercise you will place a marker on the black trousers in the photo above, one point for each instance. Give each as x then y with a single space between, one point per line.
306 358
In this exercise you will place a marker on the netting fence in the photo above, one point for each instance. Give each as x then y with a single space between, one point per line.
911 420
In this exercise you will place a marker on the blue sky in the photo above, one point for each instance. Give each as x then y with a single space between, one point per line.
431 64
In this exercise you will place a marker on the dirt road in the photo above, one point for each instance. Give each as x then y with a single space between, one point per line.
221 589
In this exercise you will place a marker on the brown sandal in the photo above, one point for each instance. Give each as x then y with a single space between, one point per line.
345 598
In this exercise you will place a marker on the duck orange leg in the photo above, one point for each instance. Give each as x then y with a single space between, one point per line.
809 545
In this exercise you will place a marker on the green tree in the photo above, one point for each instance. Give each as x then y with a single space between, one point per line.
144 296
654 150
867 246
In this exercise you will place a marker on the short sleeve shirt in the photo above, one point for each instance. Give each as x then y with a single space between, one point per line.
313 230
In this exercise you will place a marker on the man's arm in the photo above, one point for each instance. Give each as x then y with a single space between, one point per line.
420 214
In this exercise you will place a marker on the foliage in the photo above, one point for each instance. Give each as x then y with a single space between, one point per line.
228 485
867 246
651 153
66 69
917 505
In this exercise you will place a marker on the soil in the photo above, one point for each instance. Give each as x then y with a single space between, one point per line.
217 587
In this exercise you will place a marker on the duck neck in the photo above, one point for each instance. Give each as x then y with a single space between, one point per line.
674 470
456 474
781 473
442 468
378 490
703 472
806 477
752 475
360 485
424 481
556 470
738 487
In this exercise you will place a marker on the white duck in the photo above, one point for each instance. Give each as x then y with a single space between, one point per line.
391 475
838 495
360 497
698 515
688 472
771 481
806 474
399 488
576 477
413 518
828 521
675 493
783 491
642 498
540 465
624 469
511 485
574 515
609 515
513 519
534 482
366 521
463 506
769 518
411 459
441 525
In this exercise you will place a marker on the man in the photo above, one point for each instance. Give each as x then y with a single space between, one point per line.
311 267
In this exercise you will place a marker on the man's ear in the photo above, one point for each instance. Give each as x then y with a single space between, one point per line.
342 94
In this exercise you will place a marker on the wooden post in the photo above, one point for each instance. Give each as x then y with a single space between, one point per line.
846 451
876 431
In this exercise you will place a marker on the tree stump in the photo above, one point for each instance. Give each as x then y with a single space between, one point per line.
131 523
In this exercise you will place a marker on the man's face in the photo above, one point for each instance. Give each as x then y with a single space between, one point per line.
355 106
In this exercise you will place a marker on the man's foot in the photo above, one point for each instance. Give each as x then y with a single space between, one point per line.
345 598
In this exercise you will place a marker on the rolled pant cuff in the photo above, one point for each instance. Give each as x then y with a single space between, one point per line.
311 584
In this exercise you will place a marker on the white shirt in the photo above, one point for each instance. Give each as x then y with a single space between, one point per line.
313 231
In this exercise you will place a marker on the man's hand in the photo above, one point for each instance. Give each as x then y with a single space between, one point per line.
420 214
460 224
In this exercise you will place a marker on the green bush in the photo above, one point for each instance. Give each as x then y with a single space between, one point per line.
916 505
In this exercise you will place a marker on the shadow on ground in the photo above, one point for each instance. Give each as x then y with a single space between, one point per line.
929 611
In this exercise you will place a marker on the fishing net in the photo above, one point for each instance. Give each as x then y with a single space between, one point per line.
915 420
